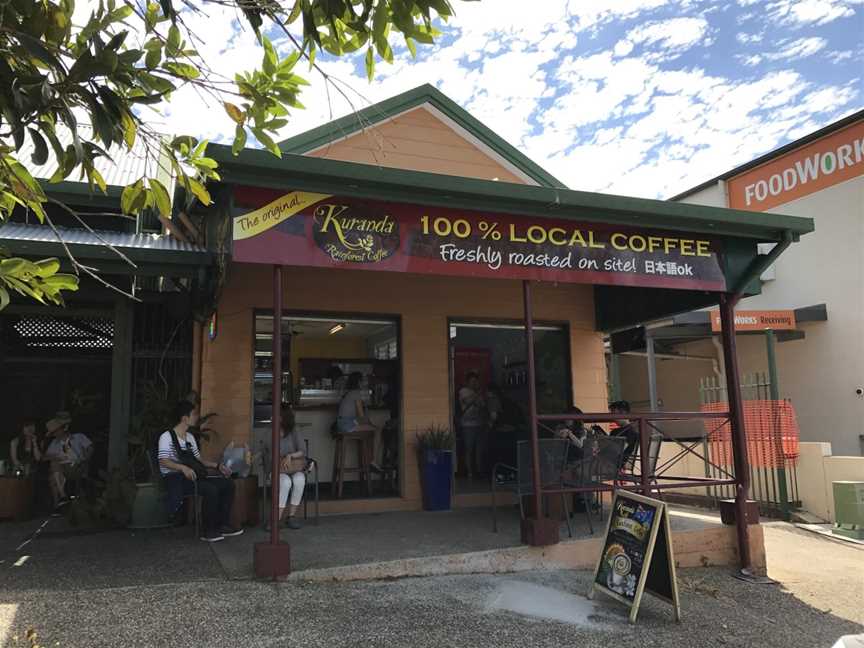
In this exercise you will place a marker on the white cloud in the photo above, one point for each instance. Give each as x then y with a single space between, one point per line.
789 50
809 12
745 38
676 34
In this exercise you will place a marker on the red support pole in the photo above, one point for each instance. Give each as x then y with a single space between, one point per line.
276 416
538 530
739 435
273 559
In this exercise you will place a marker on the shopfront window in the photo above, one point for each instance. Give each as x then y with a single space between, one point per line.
325 358
494 355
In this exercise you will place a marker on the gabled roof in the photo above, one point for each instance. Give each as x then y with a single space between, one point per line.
423 95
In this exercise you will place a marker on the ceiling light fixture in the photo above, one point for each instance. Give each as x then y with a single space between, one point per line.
336 328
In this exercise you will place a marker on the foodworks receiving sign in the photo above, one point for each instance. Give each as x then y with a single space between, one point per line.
311 229
828 161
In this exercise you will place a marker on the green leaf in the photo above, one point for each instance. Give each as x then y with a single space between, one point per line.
160 194
40 147
174 39
183 70
384 50
130 196
119 14
37 50
239 140
47 267
271 60
4 298
412 47
153 58
199 191
370 63
267 141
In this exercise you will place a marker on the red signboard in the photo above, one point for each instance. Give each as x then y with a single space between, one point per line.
308 229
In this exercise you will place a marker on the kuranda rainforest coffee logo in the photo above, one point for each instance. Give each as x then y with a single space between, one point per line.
346 236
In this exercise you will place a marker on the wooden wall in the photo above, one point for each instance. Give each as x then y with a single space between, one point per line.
419 141
424 304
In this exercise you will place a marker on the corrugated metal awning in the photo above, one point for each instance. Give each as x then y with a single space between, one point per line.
152 254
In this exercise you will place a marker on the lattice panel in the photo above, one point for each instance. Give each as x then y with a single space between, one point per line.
72 333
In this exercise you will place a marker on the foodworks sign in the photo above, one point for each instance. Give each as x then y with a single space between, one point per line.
828 161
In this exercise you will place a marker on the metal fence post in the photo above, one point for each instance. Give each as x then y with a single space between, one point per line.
774 386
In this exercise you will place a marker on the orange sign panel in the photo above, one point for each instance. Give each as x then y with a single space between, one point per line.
830 160
776 320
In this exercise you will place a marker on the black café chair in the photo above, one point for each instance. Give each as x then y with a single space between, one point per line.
628 474
517 480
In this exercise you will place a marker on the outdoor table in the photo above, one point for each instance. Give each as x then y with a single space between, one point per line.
16 497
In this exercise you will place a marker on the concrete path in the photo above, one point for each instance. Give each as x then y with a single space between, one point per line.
826 574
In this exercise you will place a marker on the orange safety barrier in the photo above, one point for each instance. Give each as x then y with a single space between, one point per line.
771 429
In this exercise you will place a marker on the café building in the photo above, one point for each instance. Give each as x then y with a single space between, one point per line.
411 245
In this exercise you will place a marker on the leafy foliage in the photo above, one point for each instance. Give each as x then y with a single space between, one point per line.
130 56
436 437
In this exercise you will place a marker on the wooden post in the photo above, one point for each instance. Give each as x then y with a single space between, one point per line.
121 384
739 436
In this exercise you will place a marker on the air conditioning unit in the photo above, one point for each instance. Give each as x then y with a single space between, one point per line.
849 509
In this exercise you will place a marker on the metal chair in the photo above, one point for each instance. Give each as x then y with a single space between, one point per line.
196 500
606 456
552 456
655 442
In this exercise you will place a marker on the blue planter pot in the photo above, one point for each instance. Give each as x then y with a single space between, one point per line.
436 471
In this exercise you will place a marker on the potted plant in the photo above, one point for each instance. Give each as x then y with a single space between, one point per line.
435 455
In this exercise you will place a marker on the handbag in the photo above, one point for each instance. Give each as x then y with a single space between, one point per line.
188 458
291 465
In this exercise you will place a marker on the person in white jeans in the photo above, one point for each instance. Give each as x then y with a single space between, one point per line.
291 483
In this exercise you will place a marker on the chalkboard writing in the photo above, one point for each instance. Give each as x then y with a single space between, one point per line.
637 553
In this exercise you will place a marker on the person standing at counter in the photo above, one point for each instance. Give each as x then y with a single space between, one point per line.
472 421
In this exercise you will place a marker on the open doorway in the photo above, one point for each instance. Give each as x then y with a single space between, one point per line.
489 392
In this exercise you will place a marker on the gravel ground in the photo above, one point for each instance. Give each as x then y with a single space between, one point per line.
166 589
444 611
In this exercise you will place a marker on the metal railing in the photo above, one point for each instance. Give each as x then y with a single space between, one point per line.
651 481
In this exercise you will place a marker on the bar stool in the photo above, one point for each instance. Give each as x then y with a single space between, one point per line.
365 441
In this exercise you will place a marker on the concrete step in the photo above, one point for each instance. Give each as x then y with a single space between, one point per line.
805 517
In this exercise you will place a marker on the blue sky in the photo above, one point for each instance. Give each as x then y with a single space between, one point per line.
637 97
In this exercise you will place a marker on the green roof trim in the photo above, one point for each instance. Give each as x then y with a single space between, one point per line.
258 168
389 108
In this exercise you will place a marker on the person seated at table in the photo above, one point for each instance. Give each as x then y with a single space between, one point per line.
24 448
68 455
181 464
292 471
624 428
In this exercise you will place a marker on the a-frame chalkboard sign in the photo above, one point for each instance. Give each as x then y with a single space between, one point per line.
637 554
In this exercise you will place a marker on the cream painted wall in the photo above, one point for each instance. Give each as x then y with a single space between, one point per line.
419 141
424 304
821 373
